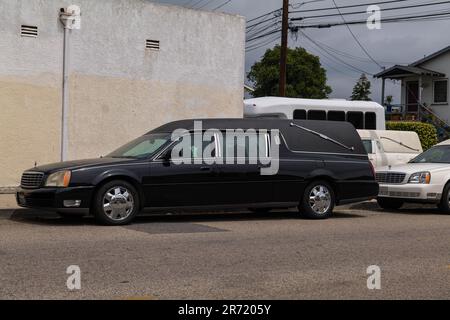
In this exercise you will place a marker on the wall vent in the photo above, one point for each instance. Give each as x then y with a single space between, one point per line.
29 31
152 44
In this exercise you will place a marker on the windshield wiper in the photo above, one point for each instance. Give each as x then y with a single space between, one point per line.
400 143
321 135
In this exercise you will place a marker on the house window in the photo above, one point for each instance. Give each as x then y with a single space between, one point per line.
440 91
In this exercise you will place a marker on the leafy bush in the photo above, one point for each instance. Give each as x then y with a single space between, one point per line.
427 132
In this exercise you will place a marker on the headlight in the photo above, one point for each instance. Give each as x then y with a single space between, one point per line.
420 177
58 179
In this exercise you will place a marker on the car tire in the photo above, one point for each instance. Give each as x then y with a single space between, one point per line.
444 205
390 204
116 203
318 200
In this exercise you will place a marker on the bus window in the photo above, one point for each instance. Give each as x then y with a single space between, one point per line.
371 121
336 115
300 114
356 119
317 115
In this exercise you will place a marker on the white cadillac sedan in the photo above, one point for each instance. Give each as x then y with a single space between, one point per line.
425 179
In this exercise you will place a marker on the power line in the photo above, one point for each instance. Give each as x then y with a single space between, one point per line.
222 5
354 36
436 16
363 12
334 57
349 6
264 35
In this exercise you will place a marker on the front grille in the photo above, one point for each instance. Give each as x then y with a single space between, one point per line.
31 180
390 177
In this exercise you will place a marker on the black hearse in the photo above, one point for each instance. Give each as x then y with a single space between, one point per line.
258 164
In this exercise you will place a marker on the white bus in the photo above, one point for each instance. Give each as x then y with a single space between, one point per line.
362 114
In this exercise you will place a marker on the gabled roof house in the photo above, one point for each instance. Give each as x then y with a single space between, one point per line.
424 87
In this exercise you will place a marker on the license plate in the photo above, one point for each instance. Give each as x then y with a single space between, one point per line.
384 191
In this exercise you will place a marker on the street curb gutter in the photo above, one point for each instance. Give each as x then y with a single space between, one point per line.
7 190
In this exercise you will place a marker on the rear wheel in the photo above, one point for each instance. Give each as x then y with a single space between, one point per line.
388 203
318 200
116 203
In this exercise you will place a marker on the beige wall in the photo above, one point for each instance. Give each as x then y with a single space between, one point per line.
118 88
106 112
29 127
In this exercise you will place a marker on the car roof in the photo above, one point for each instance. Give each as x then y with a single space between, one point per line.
296 138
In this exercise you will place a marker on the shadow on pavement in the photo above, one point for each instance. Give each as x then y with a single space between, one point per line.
407 209
33 216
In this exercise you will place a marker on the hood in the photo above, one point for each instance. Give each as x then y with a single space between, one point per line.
414 167
78 164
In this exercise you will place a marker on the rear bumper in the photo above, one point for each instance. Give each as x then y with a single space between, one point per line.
72 199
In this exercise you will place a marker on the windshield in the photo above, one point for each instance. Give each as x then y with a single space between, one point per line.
439 154
142 147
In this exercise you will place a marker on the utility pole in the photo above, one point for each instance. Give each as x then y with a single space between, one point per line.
284 47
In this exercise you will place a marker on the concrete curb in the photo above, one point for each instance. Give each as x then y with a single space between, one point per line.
7 190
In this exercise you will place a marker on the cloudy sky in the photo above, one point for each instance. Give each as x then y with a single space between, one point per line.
344 59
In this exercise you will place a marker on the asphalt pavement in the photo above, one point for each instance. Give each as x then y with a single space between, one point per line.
239 255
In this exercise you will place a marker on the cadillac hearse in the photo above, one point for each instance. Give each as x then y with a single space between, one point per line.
210 164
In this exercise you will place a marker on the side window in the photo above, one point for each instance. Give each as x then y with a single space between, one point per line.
244 145
317 115
300 114
370 121
356 119
198 150
368 146
336 115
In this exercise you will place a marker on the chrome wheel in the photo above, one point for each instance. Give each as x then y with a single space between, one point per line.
118 203
320 199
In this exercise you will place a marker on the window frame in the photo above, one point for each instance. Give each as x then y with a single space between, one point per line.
434 97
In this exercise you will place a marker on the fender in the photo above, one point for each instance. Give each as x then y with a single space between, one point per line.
115 172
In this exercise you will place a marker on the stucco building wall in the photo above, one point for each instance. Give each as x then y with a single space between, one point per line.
118 88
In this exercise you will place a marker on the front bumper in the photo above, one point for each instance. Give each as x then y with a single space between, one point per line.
56 199
412 192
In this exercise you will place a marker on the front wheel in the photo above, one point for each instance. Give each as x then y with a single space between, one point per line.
116 203
444 205
318 200
390 204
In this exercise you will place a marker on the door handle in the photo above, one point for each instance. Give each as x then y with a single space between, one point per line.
205 168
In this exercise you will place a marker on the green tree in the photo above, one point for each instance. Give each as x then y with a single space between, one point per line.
305 76
361 90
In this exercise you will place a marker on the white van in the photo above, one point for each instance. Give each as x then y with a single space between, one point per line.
362 114
388 147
